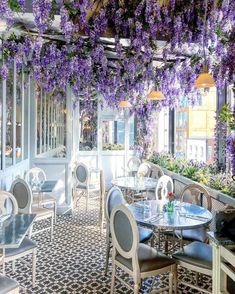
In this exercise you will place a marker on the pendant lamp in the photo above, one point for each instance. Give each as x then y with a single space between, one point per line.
124 104
204 80
155 95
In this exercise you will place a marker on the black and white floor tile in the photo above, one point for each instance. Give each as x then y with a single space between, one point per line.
74 261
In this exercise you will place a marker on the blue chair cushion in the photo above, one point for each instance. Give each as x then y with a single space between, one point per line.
197 254
7 285
144 234
149 259
25 245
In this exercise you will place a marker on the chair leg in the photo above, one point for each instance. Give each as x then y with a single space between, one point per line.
34 259
30 231
107 256
170 283
113 279
175 278
136 288
13 266
55 212
87 199
52 223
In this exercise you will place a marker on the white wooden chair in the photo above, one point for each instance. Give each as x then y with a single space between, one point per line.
115 198
8 286
26 247
35 176
102 200
24 197
156 172
195 194
164 186
144 170
196 257
134 258
82 186
132 166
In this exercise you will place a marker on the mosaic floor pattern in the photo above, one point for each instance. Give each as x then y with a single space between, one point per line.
74 261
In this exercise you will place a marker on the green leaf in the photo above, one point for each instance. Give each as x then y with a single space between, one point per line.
14 5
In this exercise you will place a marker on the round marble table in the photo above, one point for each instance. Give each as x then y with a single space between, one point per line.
185 216
135 183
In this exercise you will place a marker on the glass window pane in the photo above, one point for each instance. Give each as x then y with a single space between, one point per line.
18 151
39 123
113 135
194 129
132 133
1 95
26 116
9 118
88 127
51 127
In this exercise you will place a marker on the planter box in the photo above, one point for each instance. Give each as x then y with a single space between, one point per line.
217 195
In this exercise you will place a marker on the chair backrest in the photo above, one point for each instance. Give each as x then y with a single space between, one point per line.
144 170
81 174
35 176
114 198
5 198
23 195
133 164
124 232
156 172
196 194
164 186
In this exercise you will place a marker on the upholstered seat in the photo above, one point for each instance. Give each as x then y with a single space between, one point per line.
138 260
115 198
197 253
41 212
144 234
23 194
198 234
91 187
195 234
25 245
46 198
7 285
83 184
149 259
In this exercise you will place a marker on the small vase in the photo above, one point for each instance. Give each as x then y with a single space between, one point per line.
170 206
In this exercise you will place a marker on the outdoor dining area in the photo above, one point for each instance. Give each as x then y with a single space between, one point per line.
117 149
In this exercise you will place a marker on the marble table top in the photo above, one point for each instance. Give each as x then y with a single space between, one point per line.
14 228
184 216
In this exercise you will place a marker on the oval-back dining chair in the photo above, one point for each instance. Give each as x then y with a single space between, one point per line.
134 258
164 186
24 197
115 198
27 246
5 198
34 177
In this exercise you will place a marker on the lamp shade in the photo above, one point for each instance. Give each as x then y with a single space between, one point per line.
155 95
204 80
124 104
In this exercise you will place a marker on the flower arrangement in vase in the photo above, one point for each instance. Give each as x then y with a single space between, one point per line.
169 207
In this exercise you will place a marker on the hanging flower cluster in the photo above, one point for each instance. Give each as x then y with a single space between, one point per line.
124 67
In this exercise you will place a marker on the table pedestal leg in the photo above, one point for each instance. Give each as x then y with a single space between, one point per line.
215 269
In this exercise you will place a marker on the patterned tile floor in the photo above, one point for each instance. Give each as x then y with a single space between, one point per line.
74 261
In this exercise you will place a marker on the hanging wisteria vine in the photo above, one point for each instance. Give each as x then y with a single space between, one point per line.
124 69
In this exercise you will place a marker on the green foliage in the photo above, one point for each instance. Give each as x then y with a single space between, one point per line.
204 174
113 147
190 172
227 115
14 5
